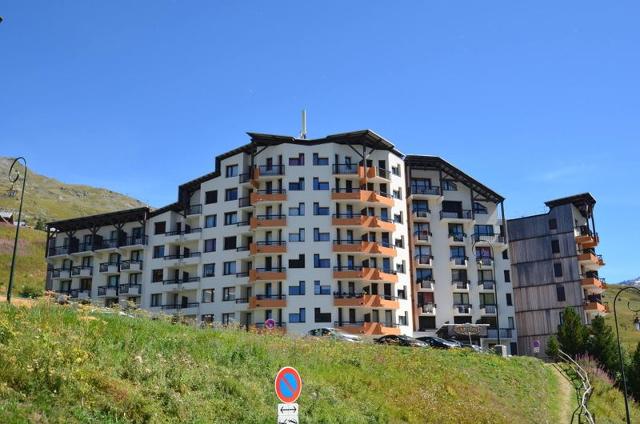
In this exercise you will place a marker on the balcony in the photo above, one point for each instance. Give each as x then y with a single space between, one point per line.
131 289
488 309
363 300
425 284
364 221
459 261
82 271
189 308
592 283
423 260
457 237
422 236
109 268
366 274
244 202
594 308
267 274
421 214
362 196
82 247
268 247
346 169
107 244
58 251
268 221
586 238
183 235
80 294
131 266
461 284
190 258
367 328
486 285
484 261
268 196
193 210
61 273
107 291
463 215
269 171
427 309
488 238
424 192
462 309
590 260
182 283
505 333
133 242
268 301
364 247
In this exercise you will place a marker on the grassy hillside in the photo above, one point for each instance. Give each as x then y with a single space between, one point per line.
31 266
49 199
65 366
628 335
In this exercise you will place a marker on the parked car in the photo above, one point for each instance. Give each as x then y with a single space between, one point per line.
333 333
438 342
401 341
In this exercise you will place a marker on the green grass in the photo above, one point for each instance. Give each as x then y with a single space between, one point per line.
31 266
629 337
607 403
59 365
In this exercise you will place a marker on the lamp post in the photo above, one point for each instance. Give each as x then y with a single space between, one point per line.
476 239
624 378
15 243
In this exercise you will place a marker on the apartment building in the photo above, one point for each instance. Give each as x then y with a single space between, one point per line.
554 265
308 233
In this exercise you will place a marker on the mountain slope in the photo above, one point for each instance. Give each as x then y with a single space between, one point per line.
48 199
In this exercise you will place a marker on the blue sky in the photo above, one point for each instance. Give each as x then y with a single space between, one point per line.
537 100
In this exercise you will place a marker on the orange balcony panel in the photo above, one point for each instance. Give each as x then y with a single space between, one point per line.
370 329
587 241
383 225
355 221
367 301
347 274
368 247
377 198
356 195
596 307
266 275
266 223
373 274
592 283
255 248
590 257
254 302
267 197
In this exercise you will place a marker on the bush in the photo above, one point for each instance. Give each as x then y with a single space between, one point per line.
30 292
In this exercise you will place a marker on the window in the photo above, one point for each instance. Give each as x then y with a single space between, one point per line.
299 161
318 161
560 293
230 243
208 270
479 208
318 316
160 227
321 263
399 242
229 268
210 221
297 186
299 211
158 252
320 210
318 236
228 294
156 276
231 171
135 278
211 197
320 185
395 170
449 185
228 318
156 299
505 254
511 323
509 300
507 276
555 246
208 295
402 293
397 218
297 237
553 224
396 194
231 194
297 290
319 289
403 319
230 218
483 230
299 317
557 269
210 245
297 263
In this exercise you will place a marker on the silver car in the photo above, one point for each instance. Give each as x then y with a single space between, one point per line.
333 333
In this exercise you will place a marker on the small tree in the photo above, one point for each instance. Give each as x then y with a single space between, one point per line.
40 224
553 348
572 334
602 345
633 374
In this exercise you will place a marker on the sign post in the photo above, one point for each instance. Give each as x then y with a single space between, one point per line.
288 385
270 324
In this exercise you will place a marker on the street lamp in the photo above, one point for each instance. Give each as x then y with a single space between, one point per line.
615 316
15 243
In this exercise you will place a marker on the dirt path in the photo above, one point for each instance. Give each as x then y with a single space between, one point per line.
17 300
567 396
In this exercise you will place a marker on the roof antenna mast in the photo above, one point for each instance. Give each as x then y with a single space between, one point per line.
303 133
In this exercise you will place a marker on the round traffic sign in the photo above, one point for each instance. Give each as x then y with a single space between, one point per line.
270 324
288 385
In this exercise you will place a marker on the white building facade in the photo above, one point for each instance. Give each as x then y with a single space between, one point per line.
308 233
